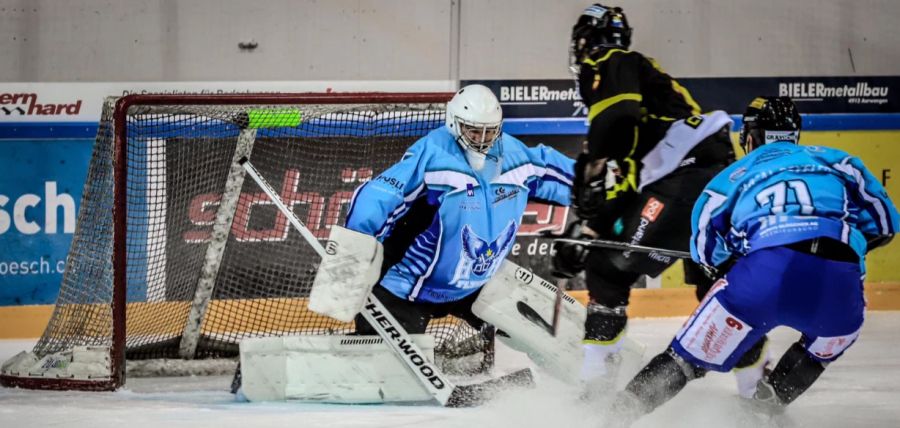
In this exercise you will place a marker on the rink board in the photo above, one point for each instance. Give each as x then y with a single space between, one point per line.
29 321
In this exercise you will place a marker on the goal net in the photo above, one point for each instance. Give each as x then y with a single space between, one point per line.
175 256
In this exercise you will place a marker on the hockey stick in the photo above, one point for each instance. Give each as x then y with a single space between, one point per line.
557 305
393 333
624 246
710 271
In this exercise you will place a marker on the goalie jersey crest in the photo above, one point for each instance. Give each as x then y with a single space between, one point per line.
480 258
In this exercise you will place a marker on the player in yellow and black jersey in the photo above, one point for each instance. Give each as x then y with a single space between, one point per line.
649 153
631 101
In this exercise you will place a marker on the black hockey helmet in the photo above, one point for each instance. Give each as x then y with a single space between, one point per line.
770 119
598 26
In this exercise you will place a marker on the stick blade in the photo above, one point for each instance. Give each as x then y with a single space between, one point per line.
479 393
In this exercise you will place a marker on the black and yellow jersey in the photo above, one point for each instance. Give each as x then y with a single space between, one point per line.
631 103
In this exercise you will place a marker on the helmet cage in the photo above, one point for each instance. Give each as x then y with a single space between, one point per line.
479 137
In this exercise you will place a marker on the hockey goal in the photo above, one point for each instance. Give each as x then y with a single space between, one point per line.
176 256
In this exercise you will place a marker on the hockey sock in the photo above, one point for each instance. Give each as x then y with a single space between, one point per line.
662 378
751 368
794 374
603 330
599 360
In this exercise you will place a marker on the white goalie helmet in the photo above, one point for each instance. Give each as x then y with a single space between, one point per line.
474 118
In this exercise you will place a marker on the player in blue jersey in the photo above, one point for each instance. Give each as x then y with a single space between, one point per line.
447 213
797 222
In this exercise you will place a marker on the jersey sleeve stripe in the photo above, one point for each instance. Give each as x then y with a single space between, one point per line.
845 228
605 57
455 179
606 103
713 203
400 210
695 108
353 200
551 172
557 170
881 211
521 174
437 255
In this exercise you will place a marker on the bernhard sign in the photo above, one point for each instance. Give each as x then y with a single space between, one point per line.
83 102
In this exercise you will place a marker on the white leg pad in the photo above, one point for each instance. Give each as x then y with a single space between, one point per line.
330 369
346 275
521 304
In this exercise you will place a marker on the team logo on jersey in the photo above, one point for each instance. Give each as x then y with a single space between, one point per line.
652 209
479 258
500 194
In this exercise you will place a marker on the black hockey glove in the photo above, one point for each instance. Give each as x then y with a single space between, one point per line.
873 242
589 187
704 276
569 258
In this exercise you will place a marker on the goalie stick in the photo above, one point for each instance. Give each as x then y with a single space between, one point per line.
557 305
381 320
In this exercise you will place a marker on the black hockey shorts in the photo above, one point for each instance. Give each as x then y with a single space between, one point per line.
415 316
659 216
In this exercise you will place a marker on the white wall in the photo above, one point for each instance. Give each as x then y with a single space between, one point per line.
136 40
189 40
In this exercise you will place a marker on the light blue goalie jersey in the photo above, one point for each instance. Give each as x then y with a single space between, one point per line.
446 228
783 193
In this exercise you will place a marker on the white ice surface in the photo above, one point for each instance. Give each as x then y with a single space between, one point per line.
862 389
